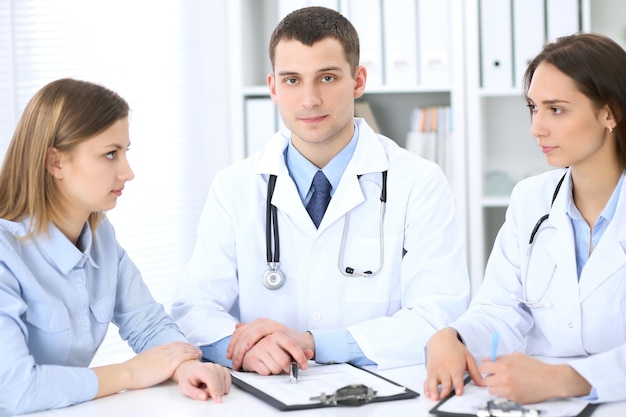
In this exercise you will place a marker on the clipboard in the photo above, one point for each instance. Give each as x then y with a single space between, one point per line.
481 395
263 387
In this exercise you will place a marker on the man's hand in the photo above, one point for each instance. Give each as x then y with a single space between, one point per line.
527 380
203 380
447 361
274 354
283 343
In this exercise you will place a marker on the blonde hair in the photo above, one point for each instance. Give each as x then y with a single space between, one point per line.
61 115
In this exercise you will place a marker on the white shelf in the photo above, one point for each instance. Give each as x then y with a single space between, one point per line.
513 92
495 201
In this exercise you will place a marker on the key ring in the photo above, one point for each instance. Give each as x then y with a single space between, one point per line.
350 395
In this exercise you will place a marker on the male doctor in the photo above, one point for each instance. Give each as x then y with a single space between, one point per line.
355 282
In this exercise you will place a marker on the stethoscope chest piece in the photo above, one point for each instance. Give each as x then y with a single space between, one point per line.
273 278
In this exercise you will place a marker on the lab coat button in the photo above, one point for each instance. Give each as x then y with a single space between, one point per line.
570 325
317 316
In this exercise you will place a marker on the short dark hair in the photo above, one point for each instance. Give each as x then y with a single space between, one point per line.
311 24
597 65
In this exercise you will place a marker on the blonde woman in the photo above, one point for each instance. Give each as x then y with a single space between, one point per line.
63 276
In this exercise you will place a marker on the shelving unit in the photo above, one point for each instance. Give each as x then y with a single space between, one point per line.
251 23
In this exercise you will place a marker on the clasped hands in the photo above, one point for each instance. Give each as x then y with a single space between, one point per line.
267 347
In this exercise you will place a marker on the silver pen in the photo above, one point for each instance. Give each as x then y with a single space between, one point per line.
293 373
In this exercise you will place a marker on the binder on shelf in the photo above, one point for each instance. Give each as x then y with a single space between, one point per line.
528 35
444 134
477 401
261 122
562 18
433 42
317 387
366 18
363 109
400 42
430 135
422 138
496 45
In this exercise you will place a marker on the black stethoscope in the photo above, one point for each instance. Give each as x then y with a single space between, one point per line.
273 278
524 300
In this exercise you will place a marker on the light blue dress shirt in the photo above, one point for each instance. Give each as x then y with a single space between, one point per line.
583 234
331 345
56 304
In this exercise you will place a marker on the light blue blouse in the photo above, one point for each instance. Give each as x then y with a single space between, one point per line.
56 304
583 235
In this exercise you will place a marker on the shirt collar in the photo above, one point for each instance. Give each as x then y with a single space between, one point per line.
609 209
64 253
302 170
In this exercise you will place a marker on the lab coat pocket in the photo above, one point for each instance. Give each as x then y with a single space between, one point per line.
48 330
363 254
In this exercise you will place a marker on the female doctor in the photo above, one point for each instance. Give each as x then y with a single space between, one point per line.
555 283
371 282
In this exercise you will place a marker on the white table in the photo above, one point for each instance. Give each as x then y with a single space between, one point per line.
165 400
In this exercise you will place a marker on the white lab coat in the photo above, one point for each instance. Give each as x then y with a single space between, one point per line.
390 315
583 320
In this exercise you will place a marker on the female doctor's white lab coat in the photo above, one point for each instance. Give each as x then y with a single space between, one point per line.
392 314
583 320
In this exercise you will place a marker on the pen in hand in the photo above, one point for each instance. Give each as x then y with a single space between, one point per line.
293 373
494 346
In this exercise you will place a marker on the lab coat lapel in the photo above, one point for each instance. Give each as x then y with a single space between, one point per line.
561 245
286 197
608 257
369 157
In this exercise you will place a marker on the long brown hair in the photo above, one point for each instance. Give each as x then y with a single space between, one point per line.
61 115
597 65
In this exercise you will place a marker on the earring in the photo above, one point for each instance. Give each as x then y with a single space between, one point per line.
610 129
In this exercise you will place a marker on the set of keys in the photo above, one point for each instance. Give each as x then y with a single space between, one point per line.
350 395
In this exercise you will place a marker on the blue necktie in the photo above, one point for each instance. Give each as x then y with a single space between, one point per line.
320 198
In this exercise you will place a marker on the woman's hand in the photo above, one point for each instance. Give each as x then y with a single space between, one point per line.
446 363
158 364
203 380
148 368
527 380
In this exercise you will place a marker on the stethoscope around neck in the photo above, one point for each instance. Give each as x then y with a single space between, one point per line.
273 277
531 242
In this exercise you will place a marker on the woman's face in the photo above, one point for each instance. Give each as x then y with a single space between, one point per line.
91 177
570 130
